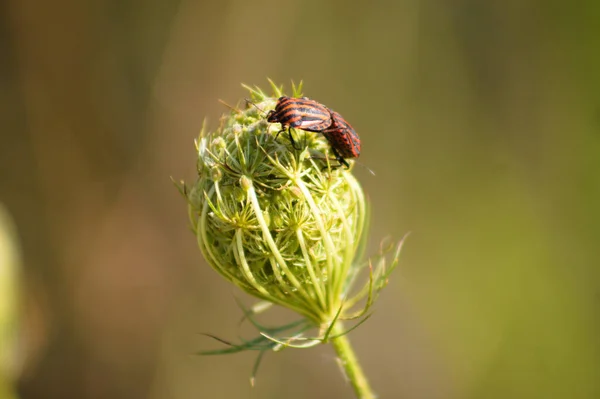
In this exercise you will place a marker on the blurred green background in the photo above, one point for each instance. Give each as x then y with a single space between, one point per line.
480 119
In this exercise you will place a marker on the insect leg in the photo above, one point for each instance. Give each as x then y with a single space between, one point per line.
340 159
292 139
282 130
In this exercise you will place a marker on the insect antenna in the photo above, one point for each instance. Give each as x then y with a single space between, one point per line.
248 101
234 109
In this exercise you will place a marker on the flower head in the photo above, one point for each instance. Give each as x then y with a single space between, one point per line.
283 223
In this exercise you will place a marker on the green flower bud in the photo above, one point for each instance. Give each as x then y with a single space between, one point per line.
282 224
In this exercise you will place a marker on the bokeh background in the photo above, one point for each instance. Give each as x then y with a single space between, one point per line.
480 119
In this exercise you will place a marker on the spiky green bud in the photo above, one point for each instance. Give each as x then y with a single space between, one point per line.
282 224
285 225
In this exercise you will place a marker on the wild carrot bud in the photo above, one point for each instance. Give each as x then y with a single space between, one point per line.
281 222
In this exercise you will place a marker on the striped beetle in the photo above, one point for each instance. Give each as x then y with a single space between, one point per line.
299 113
343 139
312 116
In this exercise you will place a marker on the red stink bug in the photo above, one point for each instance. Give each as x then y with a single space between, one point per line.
299 113
306 114
343 139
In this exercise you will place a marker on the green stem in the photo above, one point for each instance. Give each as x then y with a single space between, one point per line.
349 361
